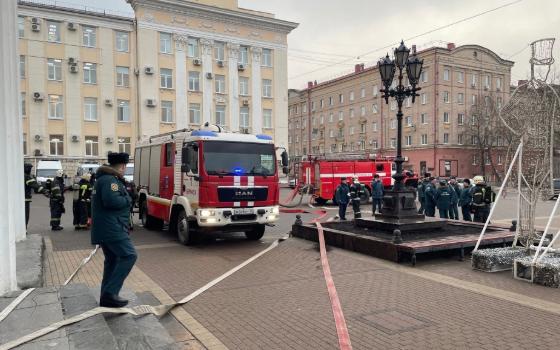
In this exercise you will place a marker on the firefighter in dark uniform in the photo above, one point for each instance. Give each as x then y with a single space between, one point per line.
133 193
56 202
444 199
482 198
110 228
30 185
82 197
355 192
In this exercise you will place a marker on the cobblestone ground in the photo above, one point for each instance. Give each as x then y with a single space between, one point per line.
280 301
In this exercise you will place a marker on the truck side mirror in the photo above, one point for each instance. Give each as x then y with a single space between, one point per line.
284 156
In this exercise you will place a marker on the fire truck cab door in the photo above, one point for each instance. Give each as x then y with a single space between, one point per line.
189 169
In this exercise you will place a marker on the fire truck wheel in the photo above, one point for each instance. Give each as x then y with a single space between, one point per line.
149 221
364 197
256 233
320 201
185 235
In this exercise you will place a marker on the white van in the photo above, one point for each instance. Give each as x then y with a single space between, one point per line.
84 169
46 169
129 172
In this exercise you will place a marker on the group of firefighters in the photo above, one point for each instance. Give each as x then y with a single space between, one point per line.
54 190
446 196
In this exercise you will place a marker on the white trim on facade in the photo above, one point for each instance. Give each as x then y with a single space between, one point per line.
91 20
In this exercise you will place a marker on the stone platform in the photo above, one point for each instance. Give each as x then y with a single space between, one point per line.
389 224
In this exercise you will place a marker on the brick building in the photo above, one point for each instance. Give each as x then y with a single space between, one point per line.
348 115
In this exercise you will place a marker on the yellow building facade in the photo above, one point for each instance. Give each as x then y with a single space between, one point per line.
94 82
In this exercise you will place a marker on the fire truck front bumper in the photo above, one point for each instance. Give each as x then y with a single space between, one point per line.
215 217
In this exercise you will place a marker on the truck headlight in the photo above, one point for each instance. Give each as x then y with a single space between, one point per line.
206 213
275 210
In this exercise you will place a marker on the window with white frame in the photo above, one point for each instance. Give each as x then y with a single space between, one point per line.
408 102
363 128
267 58
192 48
219 51
124 144
90 109
460 139
424 98
220 84
21 26
331 117
424 76
312 106
424 139
166 78
267 119
321 103
331 133
194 81
460 98
165 43
121 39
499 102
363 92
374 126
244 55
340 132
499 159
331 101
54 69
340 115
499 83
408 140
473 120
499 140
460 77
487 81
362 145
460 119
445 138
21 66
53 31
393 123
322 120
351 98
374 144
446 117
446 74
487 159
446 96
340 98
474 159
375 90
22 108
408 120
123 111
194 113
393 142
473 80
167 111
474 140
351 130
244 87
92 146
363 111
351 112
56 107
393 105
423 118
221 115
56 143
267 88
304 108
374 108
89 36
473 100
90 73
244 117
122 76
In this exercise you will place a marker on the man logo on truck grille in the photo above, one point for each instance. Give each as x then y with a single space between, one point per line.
244 193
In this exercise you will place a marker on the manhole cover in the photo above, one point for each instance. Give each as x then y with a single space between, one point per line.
393 321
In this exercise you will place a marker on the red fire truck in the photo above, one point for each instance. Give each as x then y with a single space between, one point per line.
323 173
202 181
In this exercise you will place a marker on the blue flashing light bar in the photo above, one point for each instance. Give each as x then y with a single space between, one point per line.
264 137
204 133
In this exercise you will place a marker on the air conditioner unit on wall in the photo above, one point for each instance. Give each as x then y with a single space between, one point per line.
240 66
71 60
75 138
245 103
197 61
38 138
150 102
109 140
209 76
35 27
74 68
37 96
35 20
71 26
220 63
244 130
108 102
149 70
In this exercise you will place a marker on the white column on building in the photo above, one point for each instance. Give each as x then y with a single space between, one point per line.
73 100
37 111
207 84
107 112
256 91
181 80
233 88
280 92
11 153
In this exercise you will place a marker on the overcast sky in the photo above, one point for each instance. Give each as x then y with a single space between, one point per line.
332 31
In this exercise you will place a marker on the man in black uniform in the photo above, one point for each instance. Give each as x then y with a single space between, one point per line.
82 198
56 202
30 185
355 192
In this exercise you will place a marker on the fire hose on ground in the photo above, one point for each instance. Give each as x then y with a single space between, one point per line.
301 190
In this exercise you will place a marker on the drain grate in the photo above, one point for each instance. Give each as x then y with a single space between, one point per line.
394 321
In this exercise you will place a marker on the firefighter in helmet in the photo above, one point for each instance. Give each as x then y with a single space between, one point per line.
30 185
56 202
81 198
482 198
355 193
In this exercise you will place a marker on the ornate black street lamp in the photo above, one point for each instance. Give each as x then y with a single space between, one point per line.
400 202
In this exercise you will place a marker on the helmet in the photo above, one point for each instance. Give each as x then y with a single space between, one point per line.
27 168
59 173
87 176
478 179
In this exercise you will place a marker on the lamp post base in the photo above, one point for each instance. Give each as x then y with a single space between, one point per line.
400 205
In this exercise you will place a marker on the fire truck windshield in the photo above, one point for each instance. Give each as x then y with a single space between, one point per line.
238 158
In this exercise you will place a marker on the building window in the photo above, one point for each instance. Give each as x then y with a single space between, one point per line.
340 132
340 98
351 130
408 121
122 76
331 133
244 117
92 146
498 83
423 118
321 103
89 36
445 138
460 119
24 139
21 66
393 105
499 140
424 139
267 88
374 144
446 117
499 159
424 77
220 84
221 115
424 97
499 102
267 118
194 81
192 48
53 32
473 100
393 142
56 107
304 108
374 126
460 139
408 102
487 159
219 51
331 101
54 69
124 144
446 96
460 98
351 95
244 87
375 90
487 81
167 111
21 27
166 78
473 140
393 123
473 80
22 110
194 113
460 77
56 143
90 109
331 117
351 112
244 55
363 111
340 115
90 73
123 111
474 159
313 106
165 43
408 140
362 92
322 119
363 128
374 108
446 74
121 41
267 57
